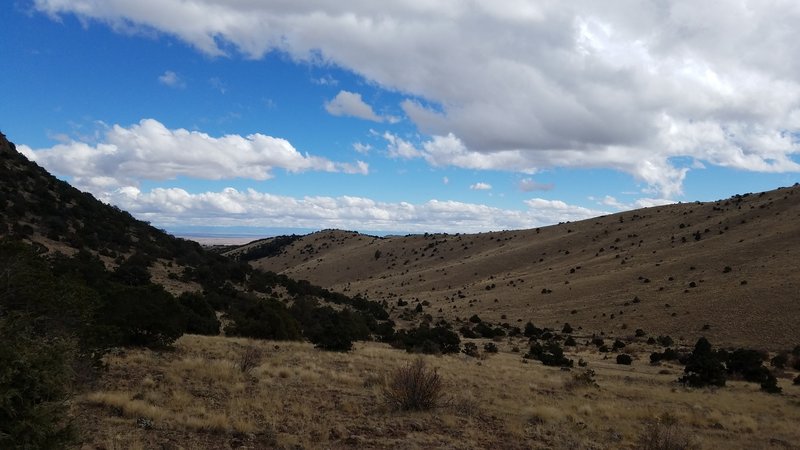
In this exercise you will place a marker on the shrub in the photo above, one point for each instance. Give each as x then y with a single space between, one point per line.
250 358
567 329
780 360
34 374
490 347
467 332
667 355
141 316
639 332
703 367
664 341
428 340
470 349
624 359
796 381
664 434
200 316
551 354
770 384
262 319
618 345
414 387
582 379
531 330
570 342
475 319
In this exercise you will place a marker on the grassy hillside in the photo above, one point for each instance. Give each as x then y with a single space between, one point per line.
296 397
726 269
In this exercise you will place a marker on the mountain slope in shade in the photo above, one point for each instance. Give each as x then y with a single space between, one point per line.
728 270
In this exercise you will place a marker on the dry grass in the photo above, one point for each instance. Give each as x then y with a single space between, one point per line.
594 269
300 397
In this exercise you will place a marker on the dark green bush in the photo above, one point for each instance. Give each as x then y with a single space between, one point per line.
470 349
490 347
550 354
624 359
199 315
262 319
141 316
34 385
425 339
703 367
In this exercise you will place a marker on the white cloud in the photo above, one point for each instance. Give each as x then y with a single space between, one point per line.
150 151
171 79
350 104
231 207
480 186
522 86
530 185
325 80
399 148
557 211
362 148
445 180
636 204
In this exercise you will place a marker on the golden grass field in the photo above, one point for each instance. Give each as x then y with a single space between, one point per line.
196 397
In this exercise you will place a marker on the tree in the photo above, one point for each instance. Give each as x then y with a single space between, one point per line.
703 367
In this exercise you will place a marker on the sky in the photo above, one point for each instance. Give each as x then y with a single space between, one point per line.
249 116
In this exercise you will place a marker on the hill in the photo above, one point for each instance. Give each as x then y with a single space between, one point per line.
727 270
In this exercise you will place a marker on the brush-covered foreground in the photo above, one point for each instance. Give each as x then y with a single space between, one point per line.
218 392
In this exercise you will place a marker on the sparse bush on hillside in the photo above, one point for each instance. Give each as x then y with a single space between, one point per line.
531 331
780 360
664 434
582 380
490 347
566 329
470 349
624 359
796 381
250 358
664 341
550 354
667 355
414 387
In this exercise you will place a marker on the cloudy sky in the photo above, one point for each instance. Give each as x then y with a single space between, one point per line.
402 116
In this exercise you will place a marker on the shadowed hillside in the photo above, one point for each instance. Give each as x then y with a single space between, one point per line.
726 269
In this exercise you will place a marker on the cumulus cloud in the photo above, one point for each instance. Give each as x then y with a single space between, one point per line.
480 186
149 150
522 86
232 207
350 104
171 79
399 148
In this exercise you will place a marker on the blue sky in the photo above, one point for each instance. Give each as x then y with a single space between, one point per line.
401 116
